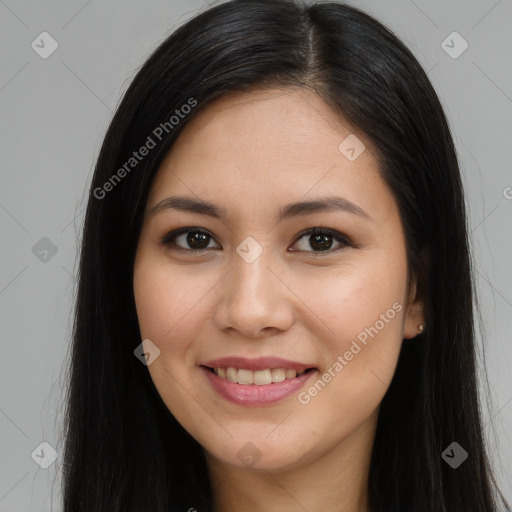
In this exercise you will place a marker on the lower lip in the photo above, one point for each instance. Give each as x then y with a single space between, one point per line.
254 395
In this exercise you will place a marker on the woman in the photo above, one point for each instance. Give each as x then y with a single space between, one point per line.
275 304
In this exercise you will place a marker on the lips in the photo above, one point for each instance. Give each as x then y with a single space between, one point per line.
256 382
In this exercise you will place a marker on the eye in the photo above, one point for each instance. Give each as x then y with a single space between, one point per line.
320 239
196 238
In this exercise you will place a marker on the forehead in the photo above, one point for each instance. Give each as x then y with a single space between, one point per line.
290 121
274 145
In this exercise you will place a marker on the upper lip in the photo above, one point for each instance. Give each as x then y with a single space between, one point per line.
260 363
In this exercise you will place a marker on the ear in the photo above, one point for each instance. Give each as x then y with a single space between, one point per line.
415 312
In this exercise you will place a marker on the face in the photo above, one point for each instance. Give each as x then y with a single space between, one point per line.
276 344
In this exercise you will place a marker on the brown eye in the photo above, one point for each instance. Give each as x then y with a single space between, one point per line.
190 240
321 240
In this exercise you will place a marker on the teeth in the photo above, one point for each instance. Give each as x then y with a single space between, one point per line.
278 375
258 377
290 374
245 377
261 377
231 374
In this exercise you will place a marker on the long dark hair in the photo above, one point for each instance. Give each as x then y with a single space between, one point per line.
124 450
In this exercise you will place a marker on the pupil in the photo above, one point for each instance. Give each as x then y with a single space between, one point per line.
321 242
196 236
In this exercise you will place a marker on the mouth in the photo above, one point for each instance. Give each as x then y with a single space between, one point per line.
256 383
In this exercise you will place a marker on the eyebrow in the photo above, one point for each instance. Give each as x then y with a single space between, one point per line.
322 204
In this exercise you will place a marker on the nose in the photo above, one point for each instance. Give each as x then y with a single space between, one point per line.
254 300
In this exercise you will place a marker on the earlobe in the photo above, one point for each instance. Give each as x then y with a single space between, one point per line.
415 315
415 322
414 325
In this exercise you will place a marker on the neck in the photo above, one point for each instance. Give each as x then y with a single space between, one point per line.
335 480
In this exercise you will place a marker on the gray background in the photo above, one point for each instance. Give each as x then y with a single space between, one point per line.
54 113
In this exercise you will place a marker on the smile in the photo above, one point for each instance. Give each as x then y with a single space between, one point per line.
256 382
258 377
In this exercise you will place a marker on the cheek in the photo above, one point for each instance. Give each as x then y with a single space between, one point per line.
363 301
168 303
361 313
169 313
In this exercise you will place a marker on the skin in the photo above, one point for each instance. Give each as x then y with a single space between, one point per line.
252 153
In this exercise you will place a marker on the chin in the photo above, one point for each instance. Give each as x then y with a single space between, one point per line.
260 455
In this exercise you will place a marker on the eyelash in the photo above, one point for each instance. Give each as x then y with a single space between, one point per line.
168 239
